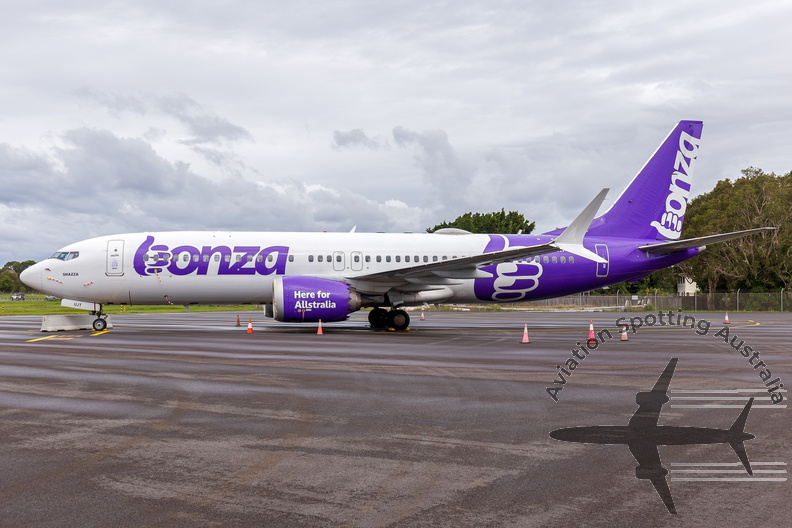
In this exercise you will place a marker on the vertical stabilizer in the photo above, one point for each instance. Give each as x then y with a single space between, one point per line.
653 205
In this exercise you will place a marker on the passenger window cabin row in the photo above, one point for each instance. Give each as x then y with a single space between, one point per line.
186 257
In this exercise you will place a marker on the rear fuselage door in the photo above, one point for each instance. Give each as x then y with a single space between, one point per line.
602 251
115 258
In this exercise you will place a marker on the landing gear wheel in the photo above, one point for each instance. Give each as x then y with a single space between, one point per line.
99 324
378 318
398 319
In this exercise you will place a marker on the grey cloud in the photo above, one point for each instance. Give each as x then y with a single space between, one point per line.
443 169
98 158
583 94
116 103
222 158
204 126
353 138
25 175
99 183
210 128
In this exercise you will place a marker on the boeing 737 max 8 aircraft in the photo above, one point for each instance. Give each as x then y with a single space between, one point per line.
305 277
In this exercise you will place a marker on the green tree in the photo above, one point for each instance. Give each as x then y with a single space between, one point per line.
496 222
9 281
754 263
9 276
18 267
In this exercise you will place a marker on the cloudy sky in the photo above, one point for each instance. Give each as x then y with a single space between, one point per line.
120 116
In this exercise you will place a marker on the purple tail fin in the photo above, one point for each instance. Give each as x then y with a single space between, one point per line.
653 205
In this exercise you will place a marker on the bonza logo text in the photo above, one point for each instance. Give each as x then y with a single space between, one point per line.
670 224
184 260
508 281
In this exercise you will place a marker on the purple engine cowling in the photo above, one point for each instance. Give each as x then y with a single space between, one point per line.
308 299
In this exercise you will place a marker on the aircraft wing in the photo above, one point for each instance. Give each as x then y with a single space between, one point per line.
570 240
648 458
679 245
461 267
650 403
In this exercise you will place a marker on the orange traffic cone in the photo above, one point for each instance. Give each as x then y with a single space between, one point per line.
250 326
624 334
525 338
726 319
422 316
319 330
592 339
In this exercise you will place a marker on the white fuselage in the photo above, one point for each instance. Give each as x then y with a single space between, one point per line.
385 269
237 267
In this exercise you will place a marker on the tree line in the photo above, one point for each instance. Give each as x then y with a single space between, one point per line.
9 276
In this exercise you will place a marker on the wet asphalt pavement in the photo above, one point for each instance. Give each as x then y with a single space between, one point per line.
188 420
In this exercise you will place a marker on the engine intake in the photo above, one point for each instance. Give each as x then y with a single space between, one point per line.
308 299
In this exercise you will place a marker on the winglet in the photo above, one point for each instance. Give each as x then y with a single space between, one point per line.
571 240
739 450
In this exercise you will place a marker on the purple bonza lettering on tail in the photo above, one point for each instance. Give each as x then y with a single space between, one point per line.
185 260
510 281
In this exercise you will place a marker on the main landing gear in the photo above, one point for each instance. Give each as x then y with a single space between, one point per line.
397 319
100 323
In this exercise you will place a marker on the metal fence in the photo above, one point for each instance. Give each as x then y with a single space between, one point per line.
739 302
729 301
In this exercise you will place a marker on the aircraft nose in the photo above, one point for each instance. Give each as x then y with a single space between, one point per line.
32 276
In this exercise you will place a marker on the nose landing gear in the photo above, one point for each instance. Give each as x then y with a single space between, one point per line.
100 323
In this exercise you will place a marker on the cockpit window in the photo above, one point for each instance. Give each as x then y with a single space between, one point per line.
66 255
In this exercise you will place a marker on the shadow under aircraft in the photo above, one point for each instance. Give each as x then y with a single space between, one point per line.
642 435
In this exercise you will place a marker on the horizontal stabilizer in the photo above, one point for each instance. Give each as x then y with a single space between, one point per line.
738 426
739 449
571 240
739 423
679 245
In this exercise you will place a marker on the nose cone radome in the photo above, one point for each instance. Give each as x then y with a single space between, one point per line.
32 277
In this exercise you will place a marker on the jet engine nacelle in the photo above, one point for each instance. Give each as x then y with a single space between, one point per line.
309 299
650 472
